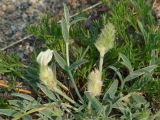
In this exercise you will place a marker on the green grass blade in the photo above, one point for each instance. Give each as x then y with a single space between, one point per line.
23 96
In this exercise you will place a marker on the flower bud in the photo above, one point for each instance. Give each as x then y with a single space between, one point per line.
46 74
106 39
95 83
45 57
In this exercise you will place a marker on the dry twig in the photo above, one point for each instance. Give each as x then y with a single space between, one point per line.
17 42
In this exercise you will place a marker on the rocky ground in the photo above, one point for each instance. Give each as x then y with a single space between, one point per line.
15 15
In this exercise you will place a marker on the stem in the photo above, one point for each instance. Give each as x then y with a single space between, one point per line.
89 106
64 95
122 84
70 74
101 63
67 53
74 85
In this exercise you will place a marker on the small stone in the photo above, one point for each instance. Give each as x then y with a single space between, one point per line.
1 41
24 16
4 8
8 32
10 9
1 13
21 55
18 35
14 1
22 27
13 28
24 6
34 1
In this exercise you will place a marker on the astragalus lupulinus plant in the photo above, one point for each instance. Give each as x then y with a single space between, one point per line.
47 76
95 83
116 101
65 25
104 43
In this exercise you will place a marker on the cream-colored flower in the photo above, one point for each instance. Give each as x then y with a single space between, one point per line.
106 39
45 57
95 83
46 74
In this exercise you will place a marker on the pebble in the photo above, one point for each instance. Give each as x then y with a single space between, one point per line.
1 13
13 28
1 40
4 8
10 9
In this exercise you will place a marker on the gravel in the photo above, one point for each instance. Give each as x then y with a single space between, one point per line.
15 15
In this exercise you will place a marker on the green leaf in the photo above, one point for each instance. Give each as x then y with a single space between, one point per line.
117 72
77 64
52 112
27 117
126 62
58 112
84 53
63 94
139 99
62 63
143 31
140 72
77 20
47 92
65 30
94 102
24 96
47 113
112 90
66 14
147 69
108 108
7 112
133 75
59 118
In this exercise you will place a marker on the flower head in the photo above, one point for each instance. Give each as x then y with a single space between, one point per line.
106 39
46 74
45 57
95 83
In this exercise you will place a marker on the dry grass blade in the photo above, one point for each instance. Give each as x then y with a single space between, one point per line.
4 84
15 43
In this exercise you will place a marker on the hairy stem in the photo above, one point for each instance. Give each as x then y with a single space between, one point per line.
75 86
89 106
67 54
101 64
70 74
